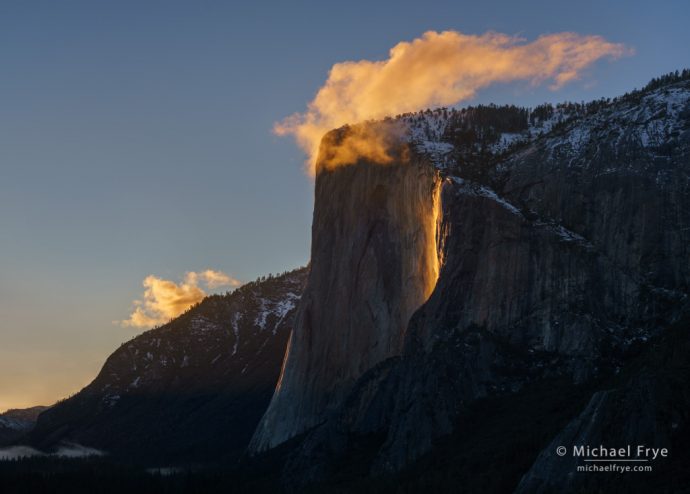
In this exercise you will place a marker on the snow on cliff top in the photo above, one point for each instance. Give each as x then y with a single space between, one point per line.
646 118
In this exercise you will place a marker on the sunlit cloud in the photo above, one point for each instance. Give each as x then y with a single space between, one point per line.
373 141
165 299
215 279
439 69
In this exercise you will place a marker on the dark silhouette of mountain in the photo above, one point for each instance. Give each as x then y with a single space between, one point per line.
16 422
189 391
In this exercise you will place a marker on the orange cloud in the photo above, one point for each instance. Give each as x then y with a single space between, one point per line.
212 279
165 299
439 69
373 141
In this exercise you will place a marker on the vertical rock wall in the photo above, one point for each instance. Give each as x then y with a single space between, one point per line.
374 261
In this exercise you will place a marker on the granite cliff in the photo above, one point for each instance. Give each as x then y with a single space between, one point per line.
565 247
374 261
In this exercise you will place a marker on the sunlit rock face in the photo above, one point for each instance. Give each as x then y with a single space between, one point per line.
374 261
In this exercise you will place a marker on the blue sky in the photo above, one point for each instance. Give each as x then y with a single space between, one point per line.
135 139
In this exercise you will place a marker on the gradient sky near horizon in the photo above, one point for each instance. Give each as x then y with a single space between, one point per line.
136 139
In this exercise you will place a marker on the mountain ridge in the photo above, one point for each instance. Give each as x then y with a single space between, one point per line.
190 390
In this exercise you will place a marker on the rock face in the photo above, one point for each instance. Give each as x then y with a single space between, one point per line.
561 254
374 261
647 405
192 390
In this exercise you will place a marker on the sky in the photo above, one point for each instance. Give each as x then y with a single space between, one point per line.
136 140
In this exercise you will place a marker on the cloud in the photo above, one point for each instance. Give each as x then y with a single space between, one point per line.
164 299
66 450
215 279
439 69
74 450
373 141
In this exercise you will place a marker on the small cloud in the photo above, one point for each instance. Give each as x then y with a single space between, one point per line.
18 452
65 450
165 299
215 279
74 450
